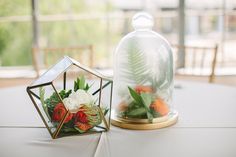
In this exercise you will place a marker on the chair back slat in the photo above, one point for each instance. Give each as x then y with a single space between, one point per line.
203 56
198 60
193 58
50 55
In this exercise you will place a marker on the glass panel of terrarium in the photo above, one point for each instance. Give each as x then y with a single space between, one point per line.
54 71
46 95
97 96
106 97
87 69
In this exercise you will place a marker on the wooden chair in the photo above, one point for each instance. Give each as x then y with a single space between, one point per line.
50 55
198 61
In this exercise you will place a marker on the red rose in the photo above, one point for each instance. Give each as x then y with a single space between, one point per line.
59 112
80 116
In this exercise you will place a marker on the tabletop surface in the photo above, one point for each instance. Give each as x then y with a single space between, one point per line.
206 127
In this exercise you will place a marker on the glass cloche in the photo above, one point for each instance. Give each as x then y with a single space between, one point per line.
143 78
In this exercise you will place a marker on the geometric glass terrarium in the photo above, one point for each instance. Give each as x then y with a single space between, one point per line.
72 99
143 79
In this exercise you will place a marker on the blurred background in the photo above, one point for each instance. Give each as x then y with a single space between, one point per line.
28 28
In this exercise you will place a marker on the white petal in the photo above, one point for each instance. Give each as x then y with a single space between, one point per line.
83 97
70 104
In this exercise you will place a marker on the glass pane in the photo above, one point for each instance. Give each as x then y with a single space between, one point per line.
54 72
46 101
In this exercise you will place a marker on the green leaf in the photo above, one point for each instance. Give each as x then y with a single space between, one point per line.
86 87
54 99
134 105
82 82
154 113
150 117
67 129
106 111
75 86
137 98
147 99
144 99
69 124
81 131
137 112
41 95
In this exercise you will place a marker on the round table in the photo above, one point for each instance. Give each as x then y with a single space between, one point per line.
206 127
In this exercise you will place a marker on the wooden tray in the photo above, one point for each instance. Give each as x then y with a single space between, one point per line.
143 124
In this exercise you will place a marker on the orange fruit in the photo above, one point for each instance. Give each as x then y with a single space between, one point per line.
144 89
160 106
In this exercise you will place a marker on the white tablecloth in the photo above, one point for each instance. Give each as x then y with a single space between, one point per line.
206 127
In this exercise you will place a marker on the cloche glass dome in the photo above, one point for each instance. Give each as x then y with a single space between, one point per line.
143 76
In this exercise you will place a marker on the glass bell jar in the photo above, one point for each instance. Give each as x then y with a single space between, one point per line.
143 78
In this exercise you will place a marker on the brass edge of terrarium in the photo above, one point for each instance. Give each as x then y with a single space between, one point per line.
170 119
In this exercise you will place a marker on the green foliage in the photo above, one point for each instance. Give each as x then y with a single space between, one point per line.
137 112
135 70
15 43
79 130
54 99
15 7
146 99
105 111
140 106
3 39
91 112
80 84
137 98
93 115
16 37
66 129
165 77
41 94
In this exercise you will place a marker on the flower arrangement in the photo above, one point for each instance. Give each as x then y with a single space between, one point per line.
143 104
83 114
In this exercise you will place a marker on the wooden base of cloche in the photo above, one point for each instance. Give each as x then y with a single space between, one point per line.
143 124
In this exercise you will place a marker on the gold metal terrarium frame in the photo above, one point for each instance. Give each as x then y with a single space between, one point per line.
61 68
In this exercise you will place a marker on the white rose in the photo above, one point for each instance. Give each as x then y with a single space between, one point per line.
70 104
81 97
76 99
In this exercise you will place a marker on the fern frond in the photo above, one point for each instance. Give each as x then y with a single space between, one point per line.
135 69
